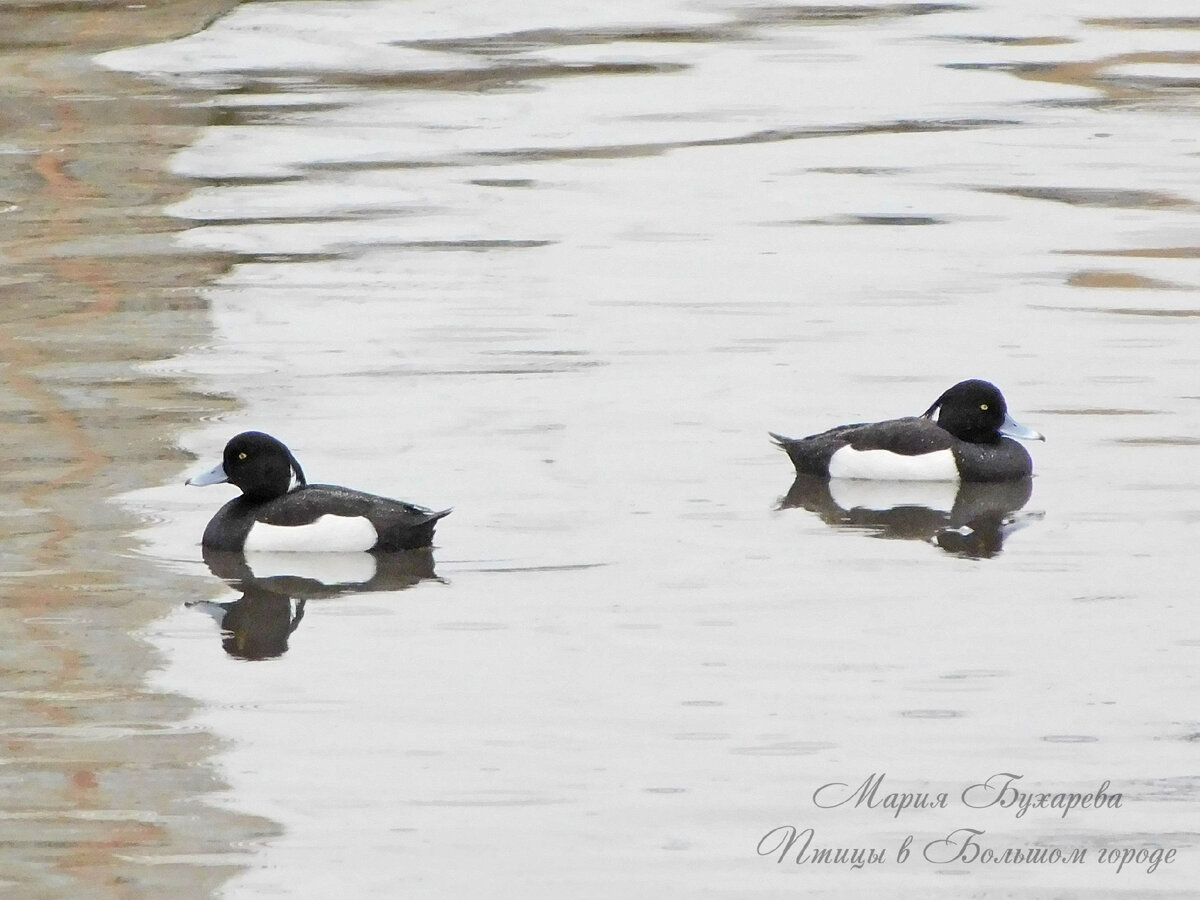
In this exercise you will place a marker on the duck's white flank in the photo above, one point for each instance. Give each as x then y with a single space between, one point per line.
883 465
329 534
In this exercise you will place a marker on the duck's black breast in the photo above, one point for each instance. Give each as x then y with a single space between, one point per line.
398 525
227 530
1001 460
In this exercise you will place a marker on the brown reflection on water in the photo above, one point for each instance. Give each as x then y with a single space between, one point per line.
104 782
740 28
815 14
1097 74
1041 41
1089 278
1100 198
1117 89
1174 23
1142 252
775 135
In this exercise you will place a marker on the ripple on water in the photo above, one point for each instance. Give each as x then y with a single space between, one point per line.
492 799
871 219
1101 198
964 674
785 748
1070 739
1164 441
932 713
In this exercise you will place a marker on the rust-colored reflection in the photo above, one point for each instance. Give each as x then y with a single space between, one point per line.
100 771
1117 86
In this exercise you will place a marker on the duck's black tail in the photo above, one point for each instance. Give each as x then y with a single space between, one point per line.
809 455
792 447
413 530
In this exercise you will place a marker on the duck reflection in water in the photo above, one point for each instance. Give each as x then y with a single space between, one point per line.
276 586
970 519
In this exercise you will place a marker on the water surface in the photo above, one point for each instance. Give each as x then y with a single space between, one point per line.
562 269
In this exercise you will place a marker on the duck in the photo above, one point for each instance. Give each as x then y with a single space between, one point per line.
278 509
965 436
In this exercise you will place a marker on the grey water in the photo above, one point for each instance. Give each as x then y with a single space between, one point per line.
562 267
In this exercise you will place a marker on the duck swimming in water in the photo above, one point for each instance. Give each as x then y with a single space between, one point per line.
966 435
278 510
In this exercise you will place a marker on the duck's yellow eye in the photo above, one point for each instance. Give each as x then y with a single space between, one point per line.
983 406
242 455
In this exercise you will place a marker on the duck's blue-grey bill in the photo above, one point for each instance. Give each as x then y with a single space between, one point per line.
1012 429
215 475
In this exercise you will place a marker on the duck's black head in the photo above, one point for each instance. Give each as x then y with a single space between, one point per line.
260 465
975 411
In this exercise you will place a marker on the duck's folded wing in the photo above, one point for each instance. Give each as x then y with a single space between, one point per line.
907 437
